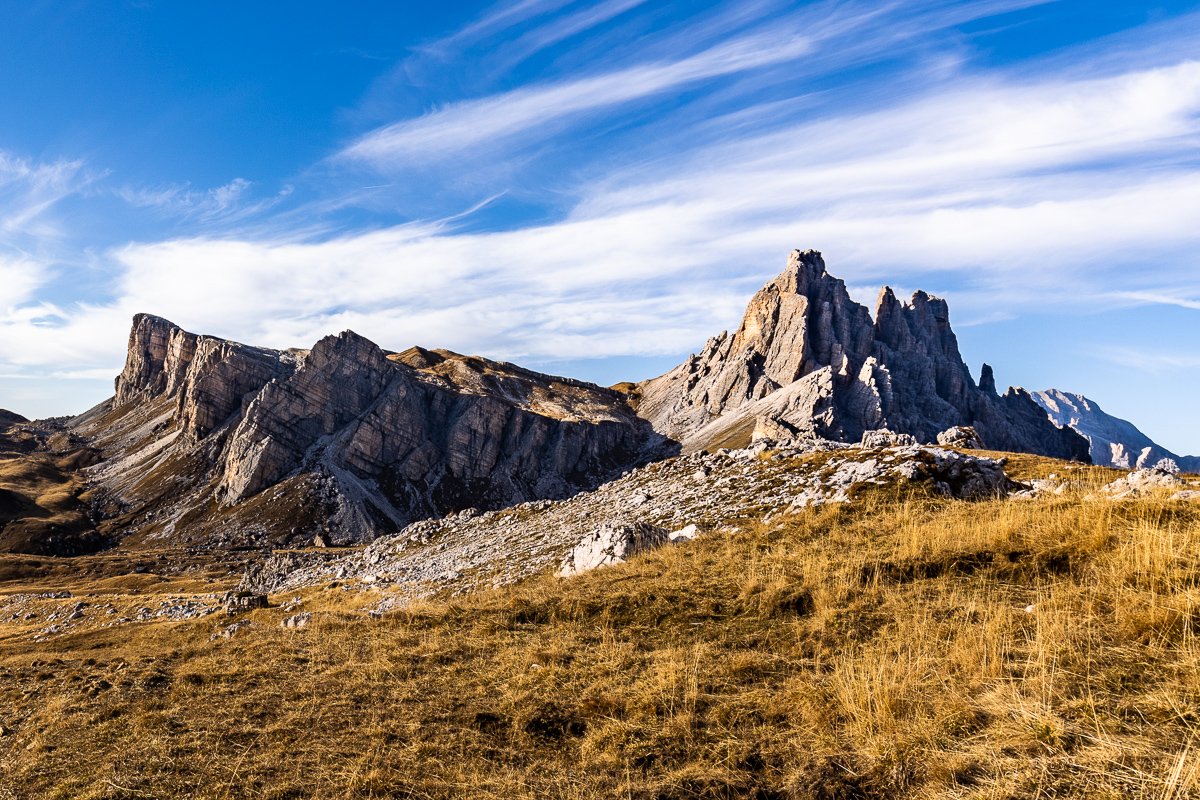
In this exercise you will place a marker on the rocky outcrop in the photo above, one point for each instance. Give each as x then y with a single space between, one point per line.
612 543
799 324
1164 475
225 444
710 492
885 438
962 436
1113 441
809 360
413 444
210 379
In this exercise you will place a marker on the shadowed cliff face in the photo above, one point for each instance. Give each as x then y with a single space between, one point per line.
218 443
808 360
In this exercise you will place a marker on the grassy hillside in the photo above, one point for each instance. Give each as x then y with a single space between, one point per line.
899 647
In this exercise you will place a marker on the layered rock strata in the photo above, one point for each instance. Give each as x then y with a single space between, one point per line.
226 444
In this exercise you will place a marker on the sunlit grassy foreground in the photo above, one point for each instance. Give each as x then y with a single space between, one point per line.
898 647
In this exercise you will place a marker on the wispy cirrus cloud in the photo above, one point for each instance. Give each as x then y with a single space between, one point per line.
226 204
1153 362
30 230
1160 298
463 125
29 189
576 18
573 24
500 18
824 36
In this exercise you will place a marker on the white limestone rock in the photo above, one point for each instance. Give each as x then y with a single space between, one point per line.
684 534
612 543
961 436
885 438
1142 482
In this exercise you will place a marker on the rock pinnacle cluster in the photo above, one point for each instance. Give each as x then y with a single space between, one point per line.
808 361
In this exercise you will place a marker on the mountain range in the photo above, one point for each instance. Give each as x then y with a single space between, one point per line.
1113 441
213 444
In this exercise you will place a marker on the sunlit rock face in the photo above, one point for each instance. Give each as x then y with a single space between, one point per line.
808 361
216 442
1114 442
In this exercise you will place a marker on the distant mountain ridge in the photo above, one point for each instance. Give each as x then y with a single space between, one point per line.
1113 441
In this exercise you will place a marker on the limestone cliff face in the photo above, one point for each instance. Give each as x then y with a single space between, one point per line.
901 371
206 436
429 444
337 383
800 322
209 378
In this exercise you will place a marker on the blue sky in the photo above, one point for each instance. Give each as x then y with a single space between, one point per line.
594 188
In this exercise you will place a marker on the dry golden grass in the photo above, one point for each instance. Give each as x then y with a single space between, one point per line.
876 651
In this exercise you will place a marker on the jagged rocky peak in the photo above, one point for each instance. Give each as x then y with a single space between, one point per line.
209 378
809 361
797 324
802 321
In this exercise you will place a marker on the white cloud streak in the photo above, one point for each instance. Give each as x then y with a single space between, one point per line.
823 36
19 279
463 125
226 204
501 18
1154 362
574 24
1158 298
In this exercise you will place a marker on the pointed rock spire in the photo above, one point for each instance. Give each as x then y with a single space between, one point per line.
987 380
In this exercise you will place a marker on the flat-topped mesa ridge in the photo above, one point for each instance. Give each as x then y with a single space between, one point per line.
205 436
808 360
